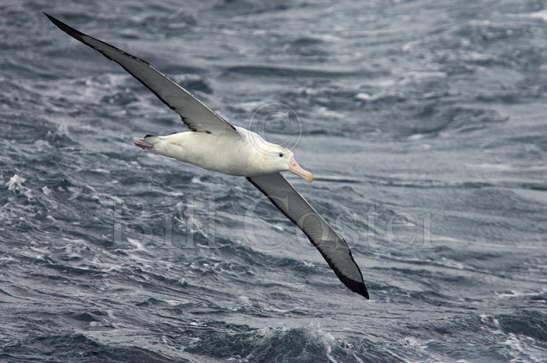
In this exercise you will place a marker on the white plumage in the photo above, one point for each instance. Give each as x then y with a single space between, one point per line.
242 153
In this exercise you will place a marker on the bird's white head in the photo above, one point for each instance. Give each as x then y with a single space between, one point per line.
281 158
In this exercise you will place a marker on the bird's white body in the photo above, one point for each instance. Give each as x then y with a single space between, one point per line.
245 153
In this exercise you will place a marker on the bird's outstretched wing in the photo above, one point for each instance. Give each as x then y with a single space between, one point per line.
333 247
195 114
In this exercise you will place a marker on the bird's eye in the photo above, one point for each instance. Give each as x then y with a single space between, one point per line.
280 155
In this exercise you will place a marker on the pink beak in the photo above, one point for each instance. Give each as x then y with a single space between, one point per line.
297 169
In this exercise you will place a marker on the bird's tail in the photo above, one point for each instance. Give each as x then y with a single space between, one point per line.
145 143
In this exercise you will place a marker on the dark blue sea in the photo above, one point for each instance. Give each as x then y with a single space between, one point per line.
425 123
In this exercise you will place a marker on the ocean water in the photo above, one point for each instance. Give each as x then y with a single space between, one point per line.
424 122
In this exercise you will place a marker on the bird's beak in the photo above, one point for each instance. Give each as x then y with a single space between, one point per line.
297 169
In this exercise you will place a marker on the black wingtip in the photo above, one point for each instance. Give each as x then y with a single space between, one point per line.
364 292
358 287
354 285
67 29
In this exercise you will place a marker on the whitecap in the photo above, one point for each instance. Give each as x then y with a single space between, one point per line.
363 96
16 183
542 15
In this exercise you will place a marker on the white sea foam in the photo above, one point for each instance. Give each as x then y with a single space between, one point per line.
542 15
15 183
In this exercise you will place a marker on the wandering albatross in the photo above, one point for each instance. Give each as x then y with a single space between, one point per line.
215 144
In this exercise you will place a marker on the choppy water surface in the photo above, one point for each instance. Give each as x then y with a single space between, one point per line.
423 120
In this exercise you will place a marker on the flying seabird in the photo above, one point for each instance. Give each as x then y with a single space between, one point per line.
215 144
